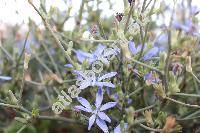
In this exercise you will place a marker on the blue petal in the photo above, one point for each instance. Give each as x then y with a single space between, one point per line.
99 98
132 47
117 129
102 125
79 107
152 52
91 121
84 84
107 84
69 65
99 50
107 106
81 56
108 75
104 117
84 102
5 78
80 73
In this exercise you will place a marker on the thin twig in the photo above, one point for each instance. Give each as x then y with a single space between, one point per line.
51 58
181 103
22 128
129 16
187 95
148 66
143 109
151 129
47 25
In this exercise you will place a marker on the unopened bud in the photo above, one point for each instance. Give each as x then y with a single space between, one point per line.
188 64
26 60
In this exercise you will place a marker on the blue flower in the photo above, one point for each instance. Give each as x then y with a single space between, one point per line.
118 128
188 27
5 78
68 66
81 55
151 78
148 55
98 115
161 42
88 78
101 53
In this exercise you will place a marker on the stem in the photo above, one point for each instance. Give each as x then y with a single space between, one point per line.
143 109
51 58
129 16
135 91
41 62
98 41
22 128
57 119
16 107
21 88
193 114
151 129
187 95
47 25
6 52
181 103
23 50
148 66
198 80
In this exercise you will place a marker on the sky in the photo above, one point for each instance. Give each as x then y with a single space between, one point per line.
18 11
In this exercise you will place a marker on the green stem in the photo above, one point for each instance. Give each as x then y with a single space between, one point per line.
51 58
181 103
143 109
129 16
151 129
187 95
198 80
136 91
98 41
22 128
47 25
148 66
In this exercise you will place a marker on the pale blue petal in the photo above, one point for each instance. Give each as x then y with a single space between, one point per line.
99 98
107 84
117 129
108 75
104 117
79 107
5 78
84 102
80 73
69 65
132 47
107 106
99 50
81 56
91 121
84 84
152 52
102 125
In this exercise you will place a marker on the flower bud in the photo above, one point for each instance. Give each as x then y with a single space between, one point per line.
26 60
188 64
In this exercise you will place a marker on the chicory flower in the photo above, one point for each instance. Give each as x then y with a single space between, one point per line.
98 115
